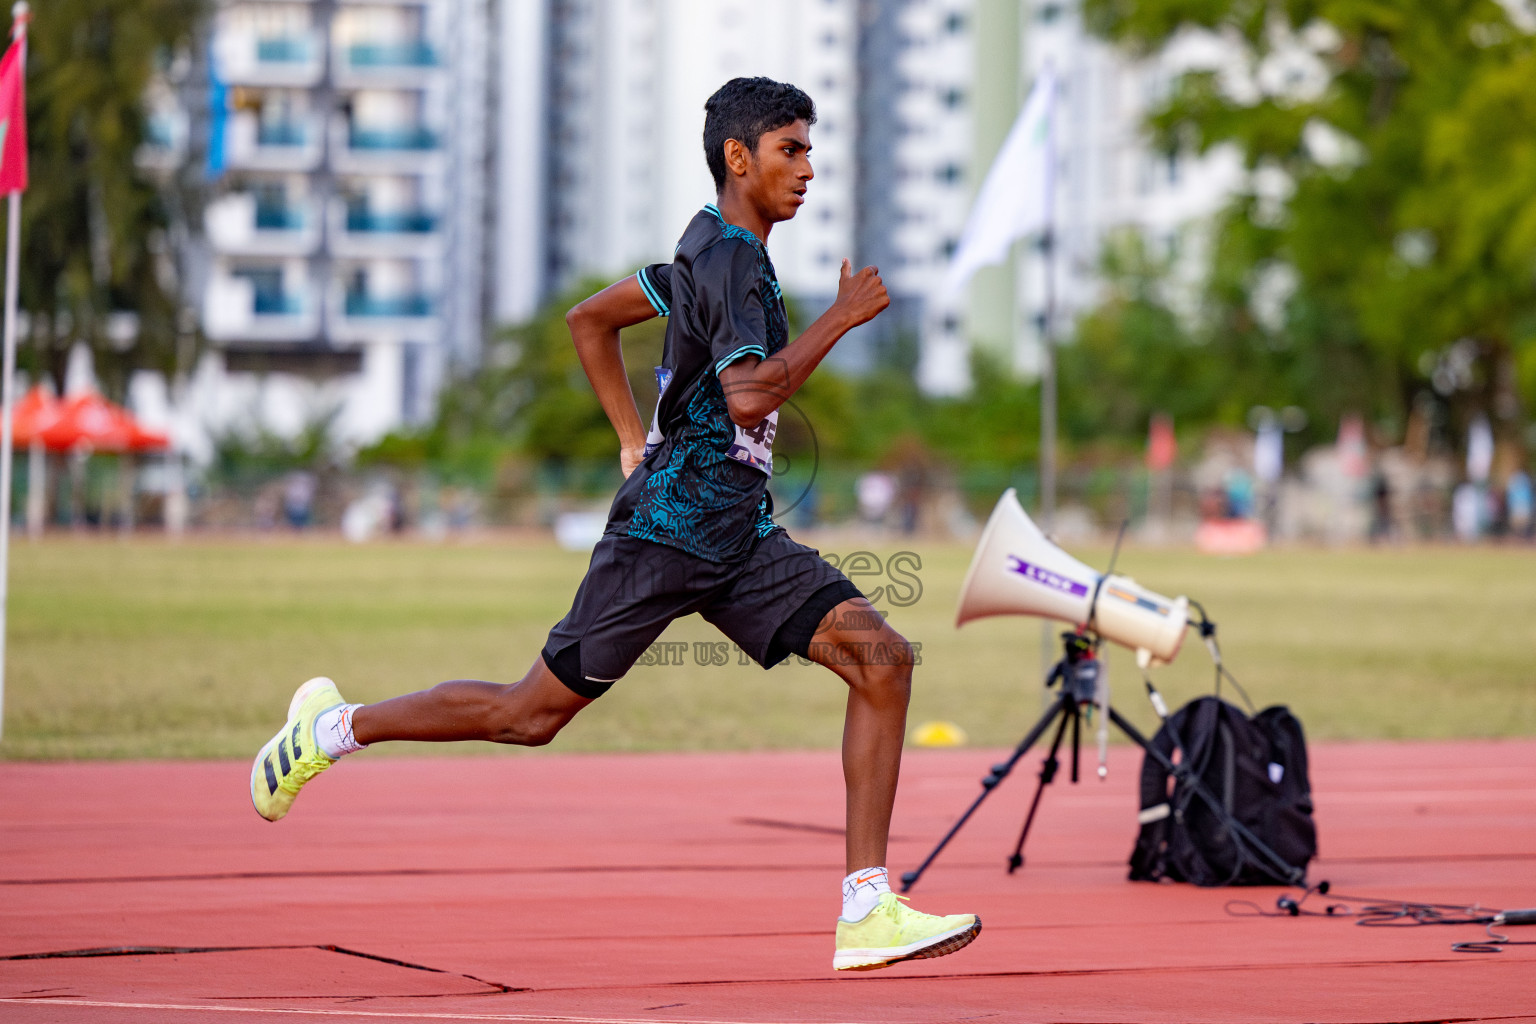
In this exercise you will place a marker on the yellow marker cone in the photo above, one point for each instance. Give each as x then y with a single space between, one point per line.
938 734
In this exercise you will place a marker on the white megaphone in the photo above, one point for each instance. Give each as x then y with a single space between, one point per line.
1017 571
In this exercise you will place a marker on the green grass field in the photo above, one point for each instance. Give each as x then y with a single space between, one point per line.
145 648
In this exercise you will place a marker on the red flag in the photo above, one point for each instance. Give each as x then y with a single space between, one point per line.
13 120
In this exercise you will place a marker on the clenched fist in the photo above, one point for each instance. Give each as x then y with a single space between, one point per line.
862 296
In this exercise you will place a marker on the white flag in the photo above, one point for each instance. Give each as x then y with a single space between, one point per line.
1015 200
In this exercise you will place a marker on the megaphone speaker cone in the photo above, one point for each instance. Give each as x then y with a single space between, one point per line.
1018 571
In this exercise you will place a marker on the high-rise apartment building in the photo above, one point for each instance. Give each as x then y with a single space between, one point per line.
394 178
344 237
917 91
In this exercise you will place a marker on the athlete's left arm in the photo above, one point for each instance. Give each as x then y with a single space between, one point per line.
756 387
595 325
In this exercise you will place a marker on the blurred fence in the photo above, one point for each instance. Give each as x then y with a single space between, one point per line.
1412 504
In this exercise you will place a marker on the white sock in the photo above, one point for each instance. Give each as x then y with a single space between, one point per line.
333 731
861 891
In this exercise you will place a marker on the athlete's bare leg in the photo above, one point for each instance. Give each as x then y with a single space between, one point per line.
876 721
529 712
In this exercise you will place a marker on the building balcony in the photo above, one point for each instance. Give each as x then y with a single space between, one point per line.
361 233
405 64
363 317
415 222
253 144
292 61
393 307
236 310
410 54
239 224
404 138
387 149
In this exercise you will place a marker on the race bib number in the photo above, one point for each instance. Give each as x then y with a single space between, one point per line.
755 446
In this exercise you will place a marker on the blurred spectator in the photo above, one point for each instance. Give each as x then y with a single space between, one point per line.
912 483
806 510
1467 512
1517 504
397 518
299 498
1381 508
876 492
1239 488
1213 503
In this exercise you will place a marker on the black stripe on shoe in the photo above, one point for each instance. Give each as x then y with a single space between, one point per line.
282 757
293 741
271 776
947 946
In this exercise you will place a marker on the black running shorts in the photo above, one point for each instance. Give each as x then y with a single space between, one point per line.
769 604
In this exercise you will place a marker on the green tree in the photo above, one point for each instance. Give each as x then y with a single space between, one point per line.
1132 356
1391 183
531 397
95 225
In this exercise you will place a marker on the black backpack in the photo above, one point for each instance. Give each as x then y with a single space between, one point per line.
1254 768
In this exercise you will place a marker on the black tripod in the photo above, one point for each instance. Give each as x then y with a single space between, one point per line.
1080 674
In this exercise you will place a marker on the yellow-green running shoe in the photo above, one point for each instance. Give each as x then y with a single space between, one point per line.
893 932
292 757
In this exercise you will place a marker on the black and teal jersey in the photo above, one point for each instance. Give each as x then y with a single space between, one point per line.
703 485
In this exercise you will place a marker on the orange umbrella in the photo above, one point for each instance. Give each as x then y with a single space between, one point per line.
36 412
89 419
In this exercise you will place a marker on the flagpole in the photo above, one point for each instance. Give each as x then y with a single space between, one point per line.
20 14
1048 379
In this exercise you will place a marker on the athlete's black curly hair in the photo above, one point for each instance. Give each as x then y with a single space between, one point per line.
744 109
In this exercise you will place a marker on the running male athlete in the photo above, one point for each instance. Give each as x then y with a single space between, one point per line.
691 529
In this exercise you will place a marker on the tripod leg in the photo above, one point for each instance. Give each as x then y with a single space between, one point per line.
1295 875
1077 722
998 774
1048 770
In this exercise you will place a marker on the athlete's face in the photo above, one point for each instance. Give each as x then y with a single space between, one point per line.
780 170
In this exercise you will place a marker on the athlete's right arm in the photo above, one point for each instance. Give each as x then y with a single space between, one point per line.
595 325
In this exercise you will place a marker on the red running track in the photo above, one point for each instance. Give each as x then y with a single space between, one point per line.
703 888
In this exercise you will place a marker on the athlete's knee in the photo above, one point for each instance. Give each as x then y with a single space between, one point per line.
884 671
516 721
526 729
